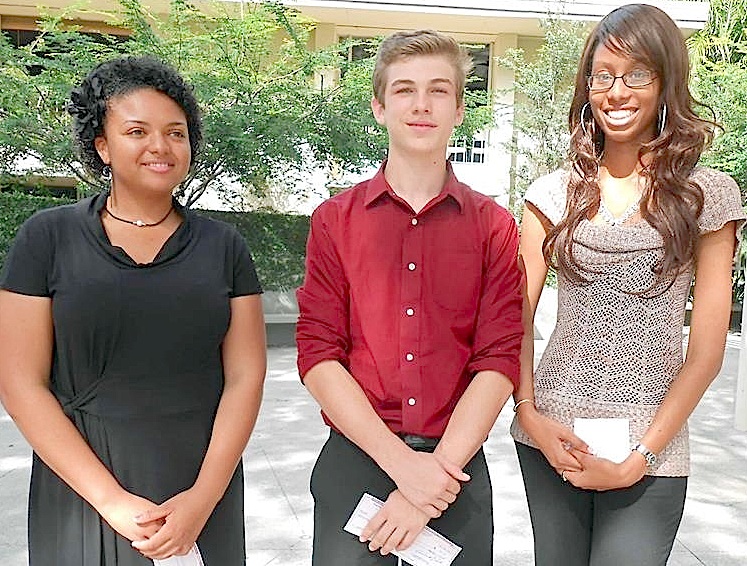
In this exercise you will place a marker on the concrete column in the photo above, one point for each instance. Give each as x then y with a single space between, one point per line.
501 82
325 35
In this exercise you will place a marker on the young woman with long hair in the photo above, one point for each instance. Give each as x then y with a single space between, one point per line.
628 225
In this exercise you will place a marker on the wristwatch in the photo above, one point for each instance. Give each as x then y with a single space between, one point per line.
647 454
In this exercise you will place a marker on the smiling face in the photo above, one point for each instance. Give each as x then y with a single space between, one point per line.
145 142
627 116
419 107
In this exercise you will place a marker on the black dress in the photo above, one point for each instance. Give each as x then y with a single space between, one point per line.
137 367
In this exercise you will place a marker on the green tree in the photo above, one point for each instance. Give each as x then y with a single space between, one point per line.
252 74
719 55
269 120
543 89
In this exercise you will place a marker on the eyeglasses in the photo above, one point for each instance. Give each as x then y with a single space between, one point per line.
637 78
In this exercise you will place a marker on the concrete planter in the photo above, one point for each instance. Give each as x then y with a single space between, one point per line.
281 315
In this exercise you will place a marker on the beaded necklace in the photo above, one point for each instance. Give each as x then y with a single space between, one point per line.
612 220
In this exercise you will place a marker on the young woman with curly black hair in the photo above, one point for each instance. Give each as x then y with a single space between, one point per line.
628 225
132 350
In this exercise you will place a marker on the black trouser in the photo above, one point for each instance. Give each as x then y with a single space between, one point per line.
343 472
634 526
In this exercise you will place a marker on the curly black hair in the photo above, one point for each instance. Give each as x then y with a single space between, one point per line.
89 101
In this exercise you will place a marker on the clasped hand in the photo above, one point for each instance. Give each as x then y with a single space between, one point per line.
556 441
600 474
427 484
571 457
158 531
395 526
180 520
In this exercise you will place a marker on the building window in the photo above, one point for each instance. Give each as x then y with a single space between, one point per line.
362 49
478 78
462 150
21 37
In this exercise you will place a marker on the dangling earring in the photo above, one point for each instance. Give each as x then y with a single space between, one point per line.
662 118
106 176
586 131
583 113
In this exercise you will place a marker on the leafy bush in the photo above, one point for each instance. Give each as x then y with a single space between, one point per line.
15 208
277 241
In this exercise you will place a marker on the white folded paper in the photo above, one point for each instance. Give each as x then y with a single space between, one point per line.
607 438
428 549
192 558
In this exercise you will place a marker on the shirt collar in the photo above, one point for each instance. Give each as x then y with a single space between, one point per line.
378 186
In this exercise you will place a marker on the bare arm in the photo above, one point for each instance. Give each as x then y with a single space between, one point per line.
708 327
244 366
474 416
535 270
550 436
26 342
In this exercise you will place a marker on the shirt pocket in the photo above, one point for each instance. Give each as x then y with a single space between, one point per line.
455 280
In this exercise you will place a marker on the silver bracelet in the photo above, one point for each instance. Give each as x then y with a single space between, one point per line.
521 401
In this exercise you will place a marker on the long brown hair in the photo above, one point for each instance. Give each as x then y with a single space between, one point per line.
671 202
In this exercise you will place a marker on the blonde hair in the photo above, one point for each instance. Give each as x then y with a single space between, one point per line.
403 44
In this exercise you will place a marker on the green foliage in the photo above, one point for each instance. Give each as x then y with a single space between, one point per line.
277 241
719 55
724 35
269 118
543 88
358 132
264 117
723 87
15 208
34 84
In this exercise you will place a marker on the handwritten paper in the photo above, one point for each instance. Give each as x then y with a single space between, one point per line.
428 549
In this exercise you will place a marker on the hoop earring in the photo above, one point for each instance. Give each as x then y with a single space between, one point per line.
583 122
662 118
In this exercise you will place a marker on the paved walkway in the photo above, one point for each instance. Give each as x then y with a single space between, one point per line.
289 434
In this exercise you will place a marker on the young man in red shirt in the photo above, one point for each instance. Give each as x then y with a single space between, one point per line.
410 325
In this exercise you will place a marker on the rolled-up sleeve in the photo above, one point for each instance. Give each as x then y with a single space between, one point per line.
499 330
322 332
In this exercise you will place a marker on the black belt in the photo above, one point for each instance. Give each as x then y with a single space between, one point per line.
419 443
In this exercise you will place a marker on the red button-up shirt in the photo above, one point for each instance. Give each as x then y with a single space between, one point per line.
413 305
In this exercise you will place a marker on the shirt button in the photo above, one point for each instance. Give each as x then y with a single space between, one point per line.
410 312
411 266
411 401
409 356
414 221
